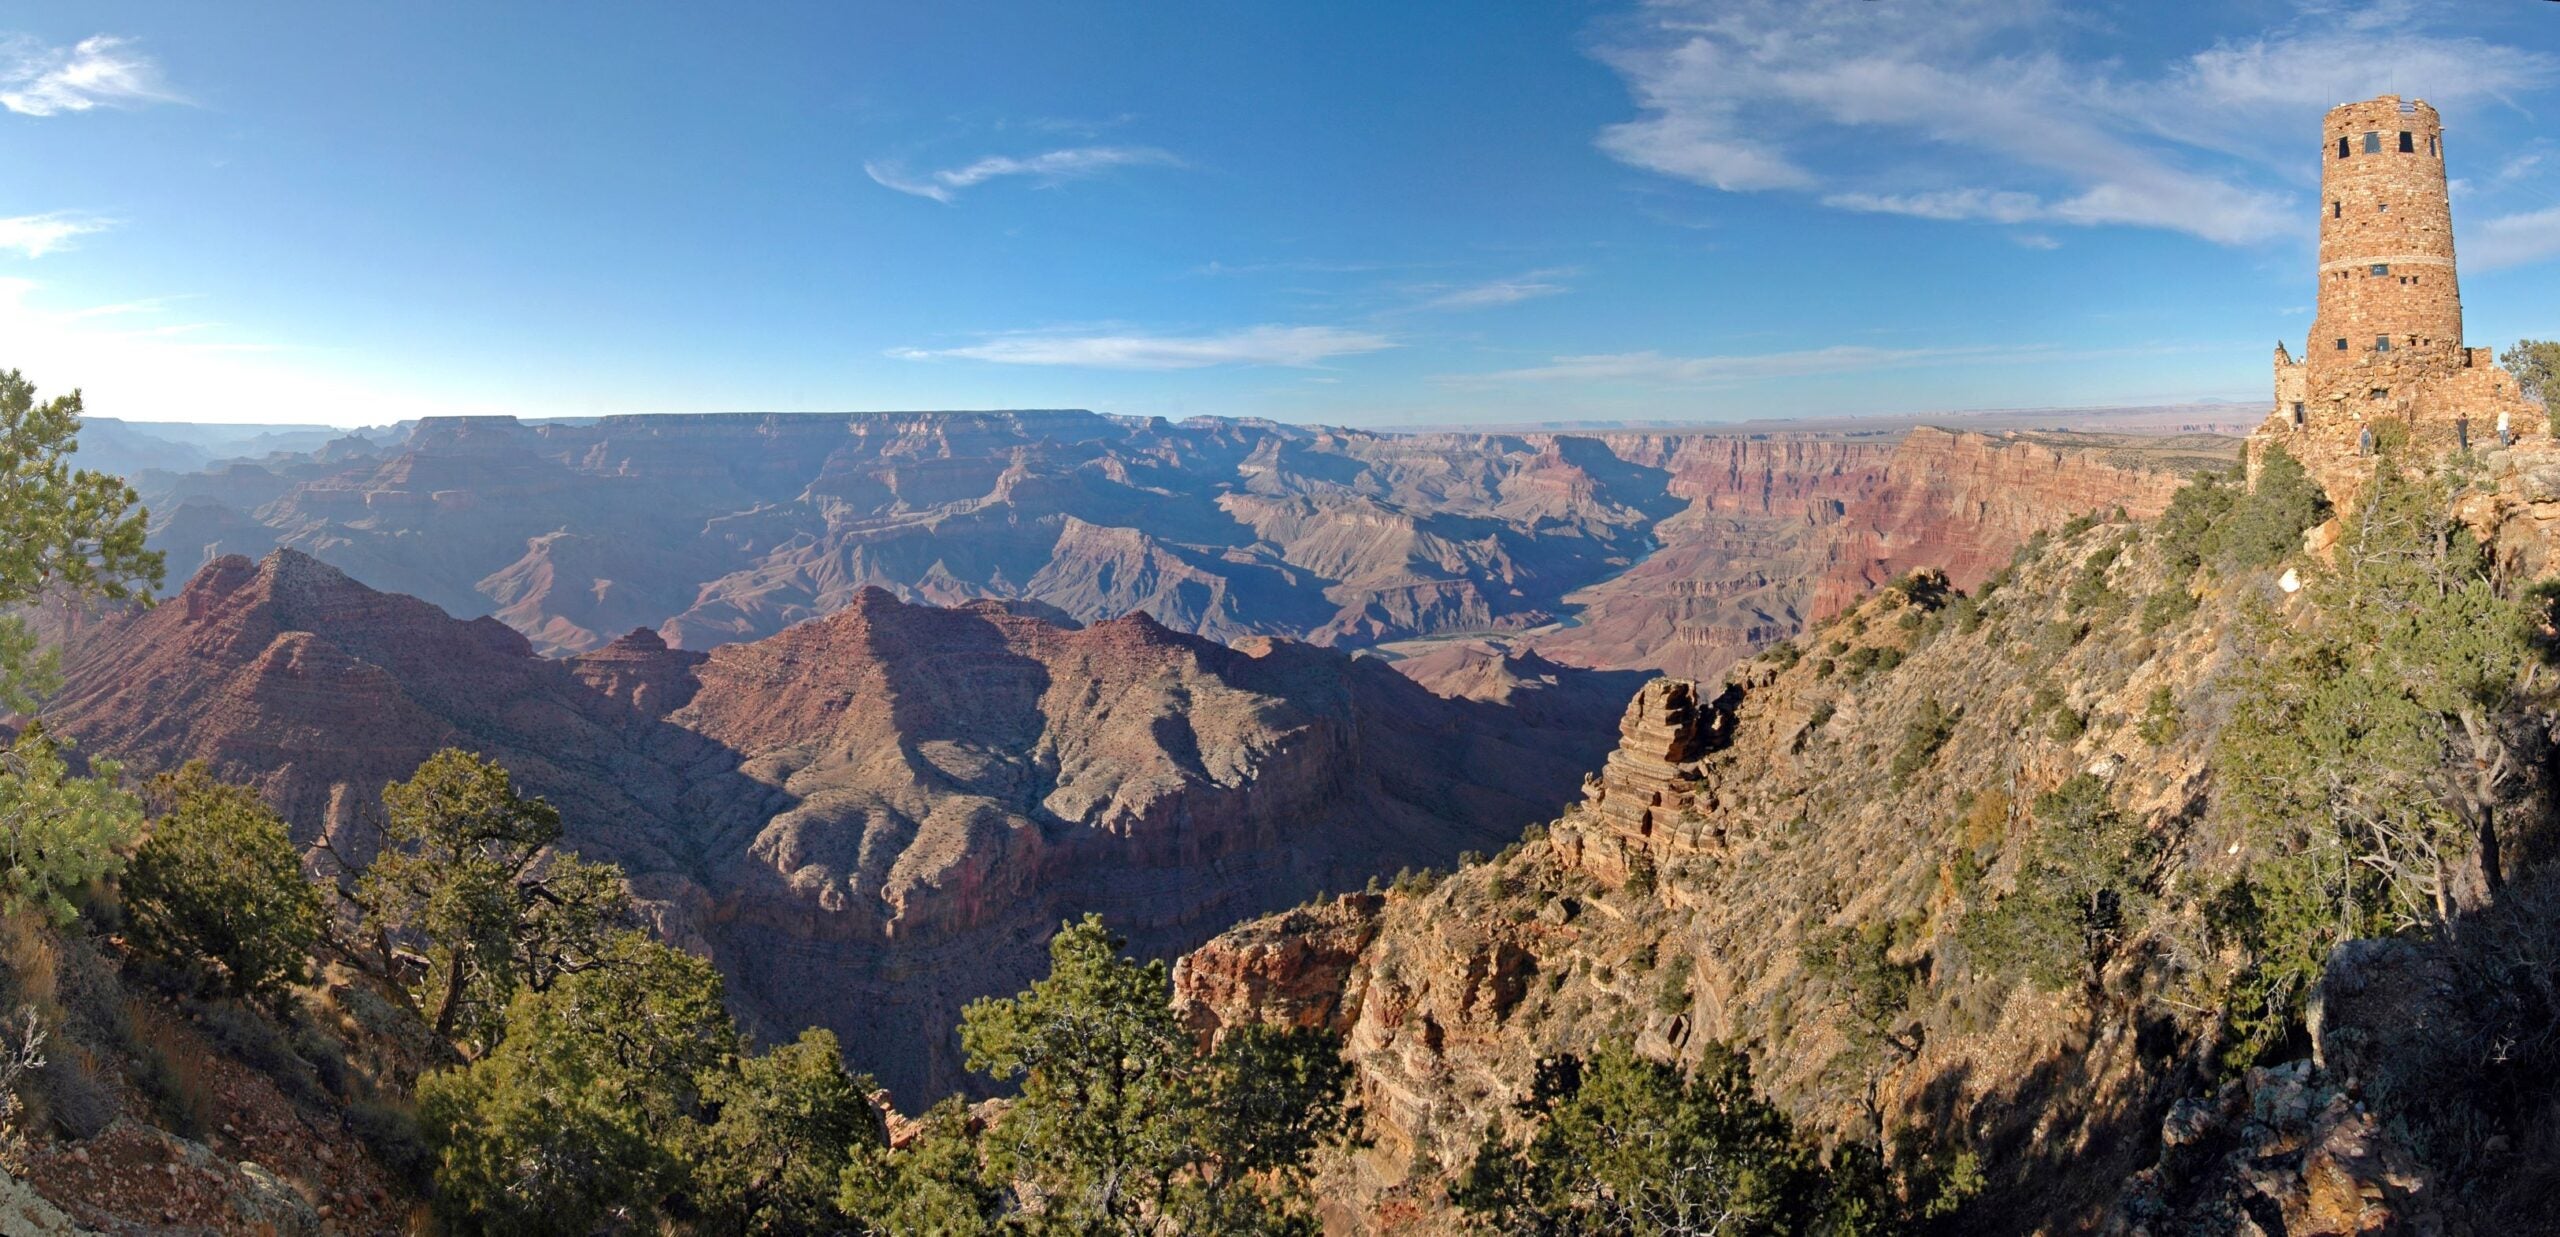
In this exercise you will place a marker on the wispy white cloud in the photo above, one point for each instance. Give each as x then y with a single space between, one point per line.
1258 345
1995 205
1494 293
2035 240
1657 369
2318 61
1052 168
98 71
1745 95
2512 240
1294 266
34 236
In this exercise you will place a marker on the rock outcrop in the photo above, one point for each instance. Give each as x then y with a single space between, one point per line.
1732 830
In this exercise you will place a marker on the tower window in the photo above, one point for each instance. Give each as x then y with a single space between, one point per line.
2342 344
2342 148
2431 146
2337 209
2382 343
2372 142
2378 393
2382 208
2408 142
2381 268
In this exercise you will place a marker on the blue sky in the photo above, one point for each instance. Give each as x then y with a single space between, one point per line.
1362 213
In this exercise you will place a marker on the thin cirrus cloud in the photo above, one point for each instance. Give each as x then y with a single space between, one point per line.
2513 240
1744 95
1657 369
1495 293
98 71
1052 168
34 236
1293 346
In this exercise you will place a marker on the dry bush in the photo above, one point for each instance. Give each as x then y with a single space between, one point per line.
77 1097
30 957
176 1071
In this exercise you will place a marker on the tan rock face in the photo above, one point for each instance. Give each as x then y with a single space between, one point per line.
868 819
1726 830
1290 970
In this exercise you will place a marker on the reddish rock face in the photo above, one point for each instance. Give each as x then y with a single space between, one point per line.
1781 532
867 819
1963 502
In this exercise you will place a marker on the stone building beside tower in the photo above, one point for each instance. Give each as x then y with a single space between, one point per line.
2386 351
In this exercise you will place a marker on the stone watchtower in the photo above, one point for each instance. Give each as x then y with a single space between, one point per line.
2386 345
2386 238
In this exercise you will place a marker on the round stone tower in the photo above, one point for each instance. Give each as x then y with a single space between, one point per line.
2386 239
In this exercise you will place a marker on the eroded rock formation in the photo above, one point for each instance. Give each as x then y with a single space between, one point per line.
1670 552
869 818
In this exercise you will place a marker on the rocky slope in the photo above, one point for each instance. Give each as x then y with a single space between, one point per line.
869 818
1674 551
1869 807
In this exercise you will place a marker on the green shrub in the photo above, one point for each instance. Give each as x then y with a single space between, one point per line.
1922 738
1675 996
2160 717
219 885
2089 590
63 832
2167 606
2081 882
1626 1145
2267 524
1640 877
391 1133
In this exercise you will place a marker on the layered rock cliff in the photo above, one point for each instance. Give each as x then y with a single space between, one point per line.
867 819
1621 550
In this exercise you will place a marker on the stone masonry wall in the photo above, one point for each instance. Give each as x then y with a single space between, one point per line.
2386 237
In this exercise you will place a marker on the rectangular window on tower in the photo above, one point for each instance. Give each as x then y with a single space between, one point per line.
2382 343
2342 344
2381 268
2373 142
2408 142
2342 148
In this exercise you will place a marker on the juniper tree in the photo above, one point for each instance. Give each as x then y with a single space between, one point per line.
464 893
72 534
218 882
